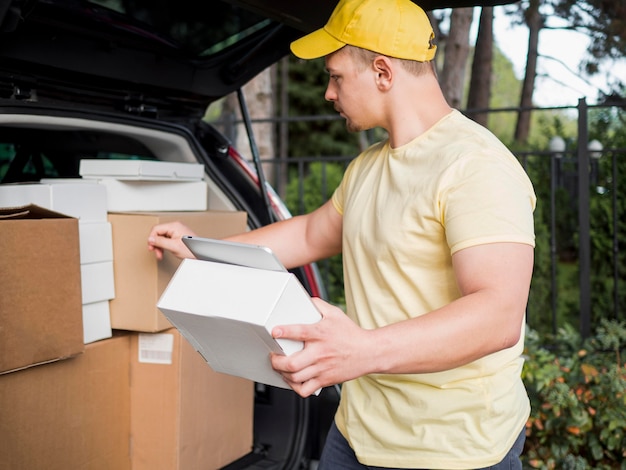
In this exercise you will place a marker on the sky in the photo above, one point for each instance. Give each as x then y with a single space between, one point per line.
565 84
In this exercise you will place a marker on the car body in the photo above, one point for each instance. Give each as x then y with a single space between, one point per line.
115 79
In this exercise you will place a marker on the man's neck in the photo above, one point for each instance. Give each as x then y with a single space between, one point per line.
413 107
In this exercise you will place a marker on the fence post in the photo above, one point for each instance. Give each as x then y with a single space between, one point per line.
584 247
553 249
616 276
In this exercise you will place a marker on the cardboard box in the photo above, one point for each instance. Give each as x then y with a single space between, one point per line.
96 321
227 313
40 304
139 277
155 195
184 415
97 281
83 200
72 414
140 169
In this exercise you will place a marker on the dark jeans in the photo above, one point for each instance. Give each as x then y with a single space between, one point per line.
338 455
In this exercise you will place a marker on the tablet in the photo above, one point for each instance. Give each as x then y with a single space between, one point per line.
241 254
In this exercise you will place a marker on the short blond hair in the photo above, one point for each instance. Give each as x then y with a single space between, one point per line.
365 57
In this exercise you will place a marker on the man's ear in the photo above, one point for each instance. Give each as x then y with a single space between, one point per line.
383 68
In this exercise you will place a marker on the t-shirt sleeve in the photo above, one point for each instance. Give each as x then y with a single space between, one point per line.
338 197
487 199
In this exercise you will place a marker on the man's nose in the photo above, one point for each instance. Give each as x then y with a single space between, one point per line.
330 94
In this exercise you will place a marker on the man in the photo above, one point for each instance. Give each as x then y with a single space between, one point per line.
436 229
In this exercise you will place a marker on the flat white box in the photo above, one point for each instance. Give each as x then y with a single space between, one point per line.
96 321
140 169
97 282
84 201
96 242
227 313
128 196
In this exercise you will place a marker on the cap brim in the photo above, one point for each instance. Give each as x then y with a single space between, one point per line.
316 44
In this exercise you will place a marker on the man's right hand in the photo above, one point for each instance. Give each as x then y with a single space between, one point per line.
168 237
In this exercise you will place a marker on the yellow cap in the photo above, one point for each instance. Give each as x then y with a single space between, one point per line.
395 28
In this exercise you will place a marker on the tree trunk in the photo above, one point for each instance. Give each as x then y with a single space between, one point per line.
440 40
259 100
534 21
456 55
482 67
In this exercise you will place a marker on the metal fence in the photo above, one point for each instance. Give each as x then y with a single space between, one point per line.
575 169
570 167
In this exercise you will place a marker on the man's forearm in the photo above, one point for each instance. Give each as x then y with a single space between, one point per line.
301 239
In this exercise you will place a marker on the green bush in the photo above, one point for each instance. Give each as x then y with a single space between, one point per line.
539 301
577 391
317 187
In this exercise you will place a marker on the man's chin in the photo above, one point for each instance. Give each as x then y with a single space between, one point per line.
351 126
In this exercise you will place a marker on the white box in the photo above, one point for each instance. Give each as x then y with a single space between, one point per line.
126 196
96 321
22 194
96 242
140 169
82 200
227 313
97 282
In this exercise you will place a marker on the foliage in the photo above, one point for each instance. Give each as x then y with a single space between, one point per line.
608 263
577 391
544 296
306 195
306 88
604 21
607 126
539 299
505 92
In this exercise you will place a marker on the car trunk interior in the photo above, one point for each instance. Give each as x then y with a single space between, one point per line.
36 147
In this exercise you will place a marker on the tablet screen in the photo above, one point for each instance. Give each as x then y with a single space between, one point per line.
241 254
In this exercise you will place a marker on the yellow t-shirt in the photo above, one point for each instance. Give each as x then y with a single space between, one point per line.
405 212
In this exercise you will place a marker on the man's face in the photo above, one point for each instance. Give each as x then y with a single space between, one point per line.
350 88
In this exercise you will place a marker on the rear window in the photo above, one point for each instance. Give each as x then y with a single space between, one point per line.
28 155
201 28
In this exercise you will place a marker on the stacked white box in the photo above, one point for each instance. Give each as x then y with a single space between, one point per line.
147 185
96 242
140 196
86 201
140 169
77 198
96 269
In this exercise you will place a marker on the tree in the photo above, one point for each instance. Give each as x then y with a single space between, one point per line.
604 21
456 56
505 92
482 68
535 21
